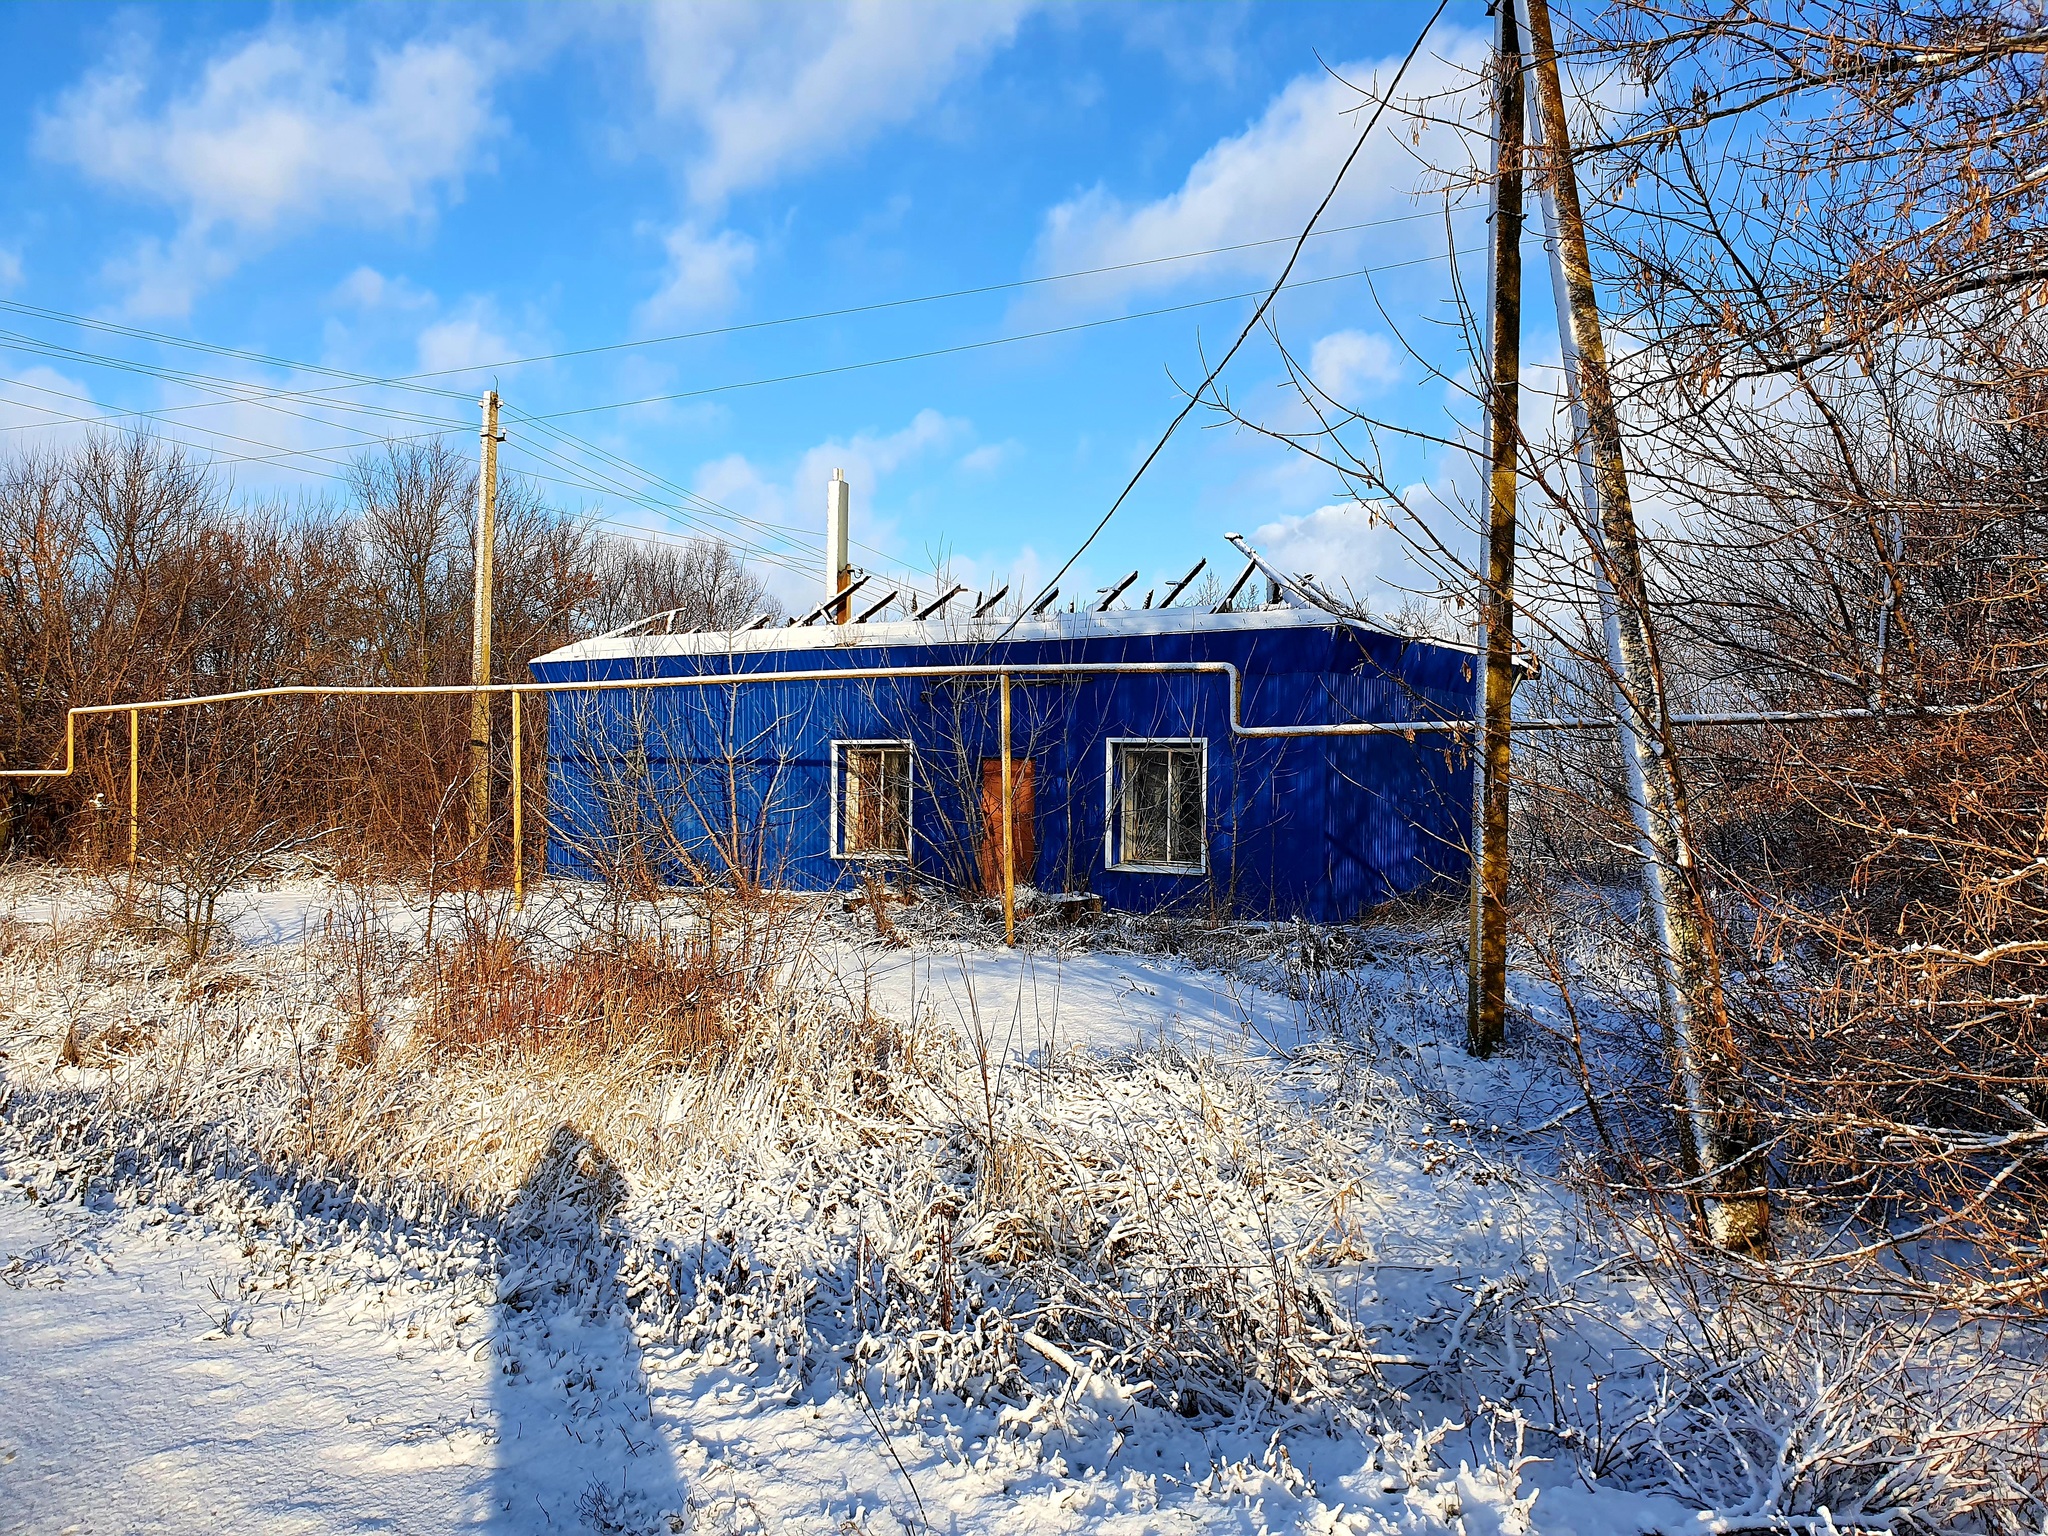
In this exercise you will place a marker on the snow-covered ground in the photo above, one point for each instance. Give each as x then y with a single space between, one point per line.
143 1394
1154 1246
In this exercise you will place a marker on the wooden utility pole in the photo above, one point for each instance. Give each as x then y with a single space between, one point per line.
1717 1135
1486 1012
480 641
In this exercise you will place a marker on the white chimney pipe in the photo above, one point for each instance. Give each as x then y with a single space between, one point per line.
838 513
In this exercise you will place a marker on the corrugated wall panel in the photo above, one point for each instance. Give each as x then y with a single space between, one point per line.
699 784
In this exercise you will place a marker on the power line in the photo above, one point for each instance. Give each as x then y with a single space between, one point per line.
243 391
319 454
238 392
254 395
410 380
1249 325
604 485
232 391
795 539
276 453
993 341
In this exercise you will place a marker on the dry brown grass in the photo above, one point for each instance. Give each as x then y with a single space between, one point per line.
18 937
646 994
357 1046
661 994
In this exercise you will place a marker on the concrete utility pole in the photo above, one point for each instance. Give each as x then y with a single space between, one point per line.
1717 1135
1486 1012
1632 753
838 515
480 640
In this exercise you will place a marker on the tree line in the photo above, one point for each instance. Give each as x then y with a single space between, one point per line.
131 570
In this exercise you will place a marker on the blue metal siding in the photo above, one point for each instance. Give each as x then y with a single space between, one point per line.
695 783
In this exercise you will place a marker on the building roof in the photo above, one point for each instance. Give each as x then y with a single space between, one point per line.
959 631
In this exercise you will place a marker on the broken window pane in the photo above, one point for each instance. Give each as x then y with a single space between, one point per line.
874 811
1159 791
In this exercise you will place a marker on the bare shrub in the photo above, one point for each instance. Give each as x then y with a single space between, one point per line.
655 996
209 832
1790 1409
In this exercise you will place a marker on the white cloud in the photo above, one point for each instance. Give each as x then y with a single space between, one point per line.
370 313
280 130
1262 182
1336 544
34 402
371 291
798 502
753 92
866 458
774 89
704 271
989 457
10 269
469 337
163 277
1350 365
1197 42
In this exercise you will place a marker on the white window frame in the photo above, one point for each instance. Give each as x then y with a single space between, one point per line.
1112 795
909 811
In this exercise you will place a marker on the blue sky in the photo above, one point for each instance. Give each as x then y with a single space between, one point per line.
394 191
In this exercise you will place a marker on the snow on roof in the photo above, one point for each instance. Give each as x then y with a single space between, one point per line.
953 631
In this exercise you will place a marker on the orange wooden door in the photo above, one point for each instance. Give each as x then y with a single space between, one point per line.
1024 840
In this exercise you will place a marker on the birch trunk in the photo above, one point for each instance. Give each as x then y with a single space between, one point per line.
1717 1129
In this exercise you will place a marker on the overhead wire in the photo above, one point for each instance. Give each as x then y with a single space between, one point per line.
241 392
795 540
689 496
411 380
976 346
230 391
1250 325
548 420
304 459
246 390
274 453
581 476
256 395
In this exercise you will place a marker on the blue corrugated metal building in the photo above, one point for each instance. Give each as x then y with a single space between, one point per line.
1130 785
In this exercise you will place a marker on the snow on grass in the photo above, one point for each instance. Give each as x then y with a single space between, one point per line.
1069 1238
146 1391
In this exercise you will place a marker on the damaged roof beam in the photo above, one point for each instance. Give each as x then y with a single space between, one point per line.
940 601
876 608
834 600
1181 586
1111 594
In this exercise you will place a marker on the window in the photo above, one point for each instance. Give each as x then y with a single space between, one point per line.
871 804
1156 805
